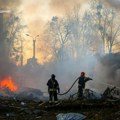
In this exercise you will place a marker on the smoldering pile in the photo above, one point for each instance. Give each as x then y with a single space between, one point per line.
22 94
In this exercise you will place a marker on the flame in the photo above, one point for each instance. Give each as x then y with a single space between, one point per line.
8 83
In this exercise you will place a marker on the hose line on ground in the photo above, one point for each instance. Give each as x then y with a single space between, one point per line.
69 88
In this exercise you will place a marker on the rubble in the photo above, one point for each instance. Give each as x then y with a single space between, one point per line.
92 109
70 116
10 114
90 106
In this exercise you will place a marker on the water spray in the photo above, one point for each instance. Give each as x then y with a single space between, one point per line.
107 84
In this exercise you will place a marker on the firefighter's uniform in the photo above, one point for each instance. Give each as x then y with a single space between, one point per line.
81 84
53 87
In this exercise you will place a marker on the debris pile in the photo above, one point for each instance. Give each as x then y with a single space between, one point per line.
32 110
31 104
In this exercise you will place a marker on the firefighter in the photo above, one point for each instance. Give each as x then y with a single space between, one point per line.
81 84
53 89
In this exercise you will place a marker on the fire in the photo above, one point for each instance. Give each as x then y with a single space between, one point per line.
8 83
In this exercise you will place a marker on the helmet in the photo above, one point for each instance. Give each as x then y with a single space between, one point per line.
52 76
82 73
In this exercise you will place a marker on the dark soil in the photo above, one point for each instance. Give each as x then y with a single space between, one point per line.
30 110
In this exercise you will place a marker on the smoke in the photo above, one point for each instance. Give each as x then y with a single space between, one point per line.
114 3
107 72
7 67
9 4
35 13
61 6
112 63
38 12
36 76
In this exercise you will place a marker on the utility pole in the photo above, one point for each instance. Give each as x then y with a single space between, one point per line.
34 44
34 47
33 61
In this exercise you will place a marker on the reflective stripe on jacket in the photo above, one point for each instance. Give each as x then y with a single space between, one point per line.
50 90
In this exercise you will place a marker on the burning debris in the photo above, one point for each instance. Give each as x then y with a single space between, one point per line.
30 94
30 102
113 93
7 82
8 88
70 46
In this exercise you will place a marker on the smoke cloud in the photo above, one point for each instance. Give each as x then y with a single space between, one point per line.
7 67
9 4
61 6
114 3
35 13
107 72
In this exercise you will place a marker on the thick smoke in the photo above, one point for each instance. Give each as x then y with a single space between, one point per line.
114 3
9 4
32 15
107 72
35 14
38 12
66 72
61 6
6 66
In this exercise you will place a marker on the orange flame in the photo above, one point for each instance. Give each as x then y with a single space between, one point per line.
8 83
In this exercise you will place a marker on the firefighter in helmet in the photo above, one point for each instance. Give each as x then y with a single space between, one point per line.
81 83
53 89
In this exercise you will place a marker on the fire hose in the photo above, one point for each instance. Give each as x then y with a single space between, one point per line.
77 92
69 88
77 80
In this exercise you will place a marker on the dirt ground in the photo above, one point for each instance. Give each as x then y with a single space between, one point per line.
30 110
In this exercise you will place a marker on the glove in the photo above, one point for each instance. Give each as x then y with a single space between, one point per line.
90 78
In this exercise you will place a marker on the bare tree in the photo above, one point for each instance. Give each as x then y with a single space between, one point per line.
113 31
13 31
106 23
88 41
58 32
74 26
82 32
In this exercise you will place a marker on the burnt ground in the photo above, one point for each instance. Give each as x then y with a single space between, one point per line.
11 109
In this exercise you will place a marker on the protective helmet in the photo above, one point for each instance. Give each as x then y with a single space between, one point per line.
52 76
82 73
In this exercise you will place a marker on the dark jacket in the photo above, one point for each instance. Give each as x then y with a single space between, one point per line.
52 84
82 81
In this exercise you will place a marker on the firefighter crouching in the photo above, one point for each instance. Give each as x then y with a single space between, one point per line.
81 84
53 89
